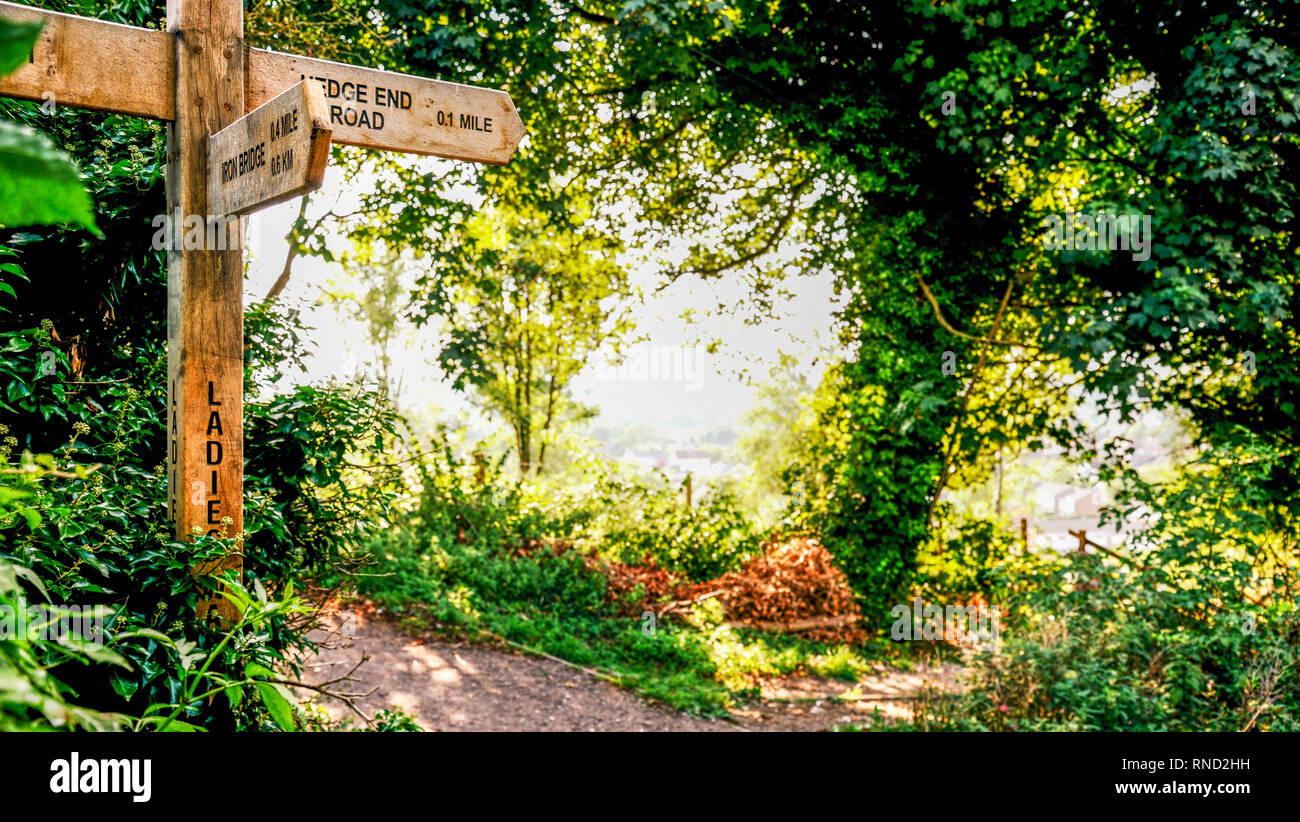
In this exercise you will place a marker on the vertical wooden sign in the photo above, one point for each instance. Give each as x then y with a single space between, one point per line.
205 307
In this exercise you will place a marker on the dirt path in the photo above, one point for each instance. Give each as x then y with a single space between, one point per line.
461 686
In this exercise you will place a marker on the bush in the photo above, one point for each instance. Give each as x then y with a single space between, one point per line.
1089 646
634 518
85 523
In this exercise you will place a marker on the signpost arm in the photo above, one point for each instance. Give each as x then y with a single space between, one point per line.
205 319
95 64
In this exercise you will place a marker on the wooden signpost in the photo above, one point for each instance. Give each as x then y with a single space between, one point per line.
246 128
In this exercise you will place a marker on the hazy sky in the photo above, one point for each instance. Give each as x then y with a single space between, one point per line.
669 380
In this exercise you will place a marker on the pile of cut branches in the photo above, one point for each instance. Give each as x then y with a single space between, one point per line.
793 586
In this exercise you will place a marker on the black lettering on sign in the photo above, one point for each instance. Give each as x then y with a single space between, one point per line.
245 162
360 119
214 423
392 98
214 458
211 399
468 122
214 512
284 125
356 95
173 448
282 163
472 122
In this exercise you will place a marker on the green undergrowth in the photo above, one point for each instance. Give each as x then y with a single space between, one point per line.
556 605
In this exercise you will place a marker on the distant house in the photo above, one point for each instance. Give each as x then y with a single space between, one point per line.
1075 503
1060 509
1059 500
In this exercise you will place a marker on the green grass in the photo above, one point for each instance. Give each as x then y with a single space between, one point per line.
555 605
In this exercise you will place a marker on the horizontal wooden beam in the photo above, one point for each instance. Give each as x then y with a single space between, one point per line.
95 64
395 112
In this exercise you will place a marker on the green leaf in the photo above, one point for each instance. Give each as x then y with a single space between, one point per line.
39 184
277 700
30 575
176 726
95 652
16 42
124 687
148 633
185 651
257 669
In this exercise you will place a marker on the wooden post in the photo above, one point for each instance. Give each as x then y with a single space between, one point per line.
688 492
1024 532
205 309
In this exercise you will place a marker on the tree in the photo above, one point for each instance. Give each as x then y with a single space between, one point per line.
915 149
380 307
527 305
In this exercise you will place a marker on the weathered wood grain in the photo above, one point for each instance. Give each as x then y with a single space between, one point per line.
205 308
396 112
95 64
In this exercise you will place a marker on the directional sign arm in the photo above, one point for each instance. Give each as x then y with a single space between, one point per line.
95 64
272 154
395 112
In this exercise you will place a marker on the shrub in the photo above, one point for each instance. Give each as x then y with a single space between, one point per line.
1091 646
